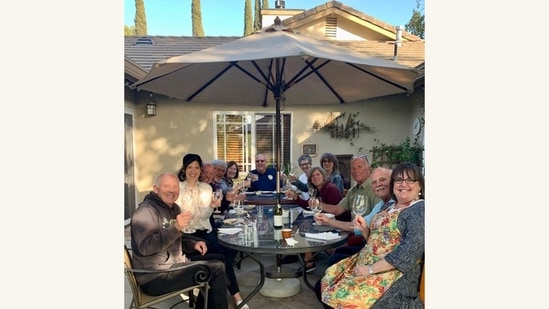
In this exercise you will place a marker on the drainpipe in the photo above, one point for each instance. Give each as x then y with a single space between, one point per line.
398 41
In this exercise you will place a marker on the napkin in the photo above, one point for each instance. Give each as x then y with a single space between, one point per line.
323 236
291 241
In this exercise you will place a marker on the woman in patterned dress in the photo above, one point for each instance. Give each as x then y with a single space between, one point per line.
386 272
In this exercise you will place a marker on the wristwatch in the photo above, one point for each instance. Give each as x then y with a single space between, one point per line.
370 270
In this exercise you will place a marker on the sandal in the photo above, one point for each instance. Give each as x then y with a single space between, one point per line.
243 307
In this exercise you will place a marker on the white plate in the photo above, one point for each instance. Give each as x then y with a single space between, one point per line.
229 230
249 207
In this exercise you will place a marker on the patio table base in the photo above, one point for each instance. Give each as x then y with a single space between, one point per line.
280 288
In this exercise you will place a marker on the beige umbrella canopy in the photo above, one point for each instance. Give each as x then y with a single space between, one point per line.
261 67
268 67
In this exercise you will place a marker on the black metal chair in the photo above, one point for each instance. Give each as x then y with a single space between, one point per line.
200 272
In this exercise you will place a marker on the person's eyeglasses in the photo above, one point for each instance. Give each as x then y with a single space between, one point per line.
304 164
399 180
257 161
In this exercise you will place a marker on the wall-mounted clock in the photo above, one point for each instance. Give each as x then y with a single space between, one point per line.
416 126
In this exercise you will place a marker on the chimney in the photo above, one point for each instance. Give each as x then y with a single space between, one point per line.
280 4
398 41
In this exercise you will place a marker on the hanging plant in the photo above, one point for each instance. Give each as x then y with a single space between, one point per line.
338 127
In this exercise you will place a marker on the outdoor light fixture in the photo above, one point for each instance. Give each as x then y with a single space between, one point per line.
151 106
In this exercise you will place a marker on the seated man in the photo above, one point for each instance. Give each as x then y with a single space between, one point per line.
266 177
381 178
158 243
360 172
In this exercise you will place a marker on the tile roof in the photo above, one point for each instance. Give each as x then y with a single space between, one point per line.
145 51
163 47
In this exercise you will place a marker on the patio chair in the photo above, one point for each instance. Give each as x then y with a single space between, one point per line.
422 285
200 272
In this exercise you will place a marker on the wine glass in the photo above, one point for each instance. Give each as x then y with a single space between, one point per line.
282 169
217 195
291 170
359 205
315 204
193 209
247 182
238 208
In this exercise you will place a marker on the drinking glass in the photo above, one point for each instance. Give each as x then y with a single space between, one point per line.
217 195
282 168
291 170
247 182
193 209
238 208
316 206
359 205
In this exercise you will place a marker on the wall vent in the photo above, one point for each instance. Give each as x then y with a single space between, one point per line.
330 30
144 41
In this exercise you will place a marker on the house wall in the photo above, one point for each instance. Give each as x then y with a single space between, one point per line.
181 127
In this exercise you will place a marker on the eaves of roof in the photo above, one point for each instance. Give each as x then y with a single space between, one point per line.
133 69
333 6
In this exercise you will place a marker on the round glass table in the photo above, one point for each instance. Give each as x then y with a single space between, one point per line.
307 236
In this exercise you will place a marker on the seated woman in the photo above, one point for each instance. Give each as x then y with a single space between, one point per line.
386 272
196 197
330 164
318 181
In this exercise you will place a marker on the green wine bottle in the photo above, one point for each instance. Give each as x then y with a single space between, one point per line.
277 213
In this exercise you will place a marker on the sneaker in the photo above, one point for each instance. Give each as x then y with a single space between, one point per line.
245 306
289 259
309 268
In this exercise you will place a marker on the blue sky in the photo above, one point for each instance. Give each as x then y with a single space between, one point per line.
226 17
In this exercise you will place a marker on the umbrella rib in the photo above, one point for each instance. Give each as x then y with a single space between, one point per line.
297 78
266 83
206 85
267 79
377 76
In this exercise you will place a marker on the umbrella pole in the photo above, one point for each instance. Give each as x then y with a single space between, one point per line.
278 86
278 144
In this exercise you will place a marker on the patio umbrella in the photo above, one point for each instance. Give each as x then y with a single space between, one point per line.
275 66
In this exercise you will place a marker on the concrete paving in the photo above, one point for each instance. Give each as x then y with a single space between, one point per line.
248 277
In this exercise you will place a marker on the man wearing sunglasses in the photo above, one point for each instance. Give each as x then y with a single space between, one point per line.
266 176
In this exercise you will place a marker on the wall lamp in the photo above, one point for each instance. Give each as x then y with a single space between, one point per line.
151 106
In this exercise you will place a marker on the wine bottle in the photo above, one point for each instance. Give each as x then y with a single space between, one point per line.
277 213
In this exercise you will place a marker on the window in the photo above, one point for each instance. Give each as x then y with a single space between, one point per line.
240 136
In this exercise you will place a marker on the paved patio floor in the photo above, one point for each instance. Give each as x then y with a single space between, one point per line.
248 277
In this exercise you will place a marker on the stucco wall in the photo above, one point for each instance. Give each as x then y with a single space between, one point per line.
180 127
